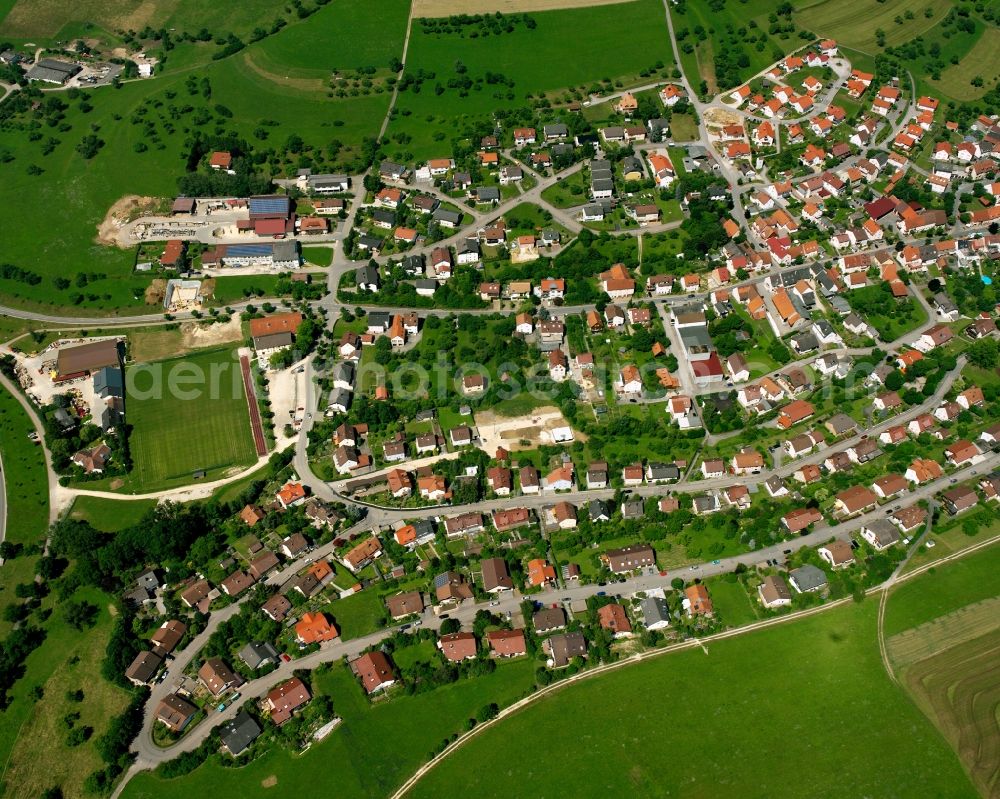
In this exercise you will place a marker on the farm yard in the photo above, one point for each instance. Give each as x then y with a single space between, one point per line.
741 686
175 435
946 656
142 134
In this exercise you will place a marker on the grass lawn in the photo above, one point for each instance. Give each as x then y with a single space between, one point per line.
24 474
111 515
196 419
235 288
943 589
822 715
568 192
732 602
897 318
683 127
375 749
620 41
358 614
854 24
321 256
32 741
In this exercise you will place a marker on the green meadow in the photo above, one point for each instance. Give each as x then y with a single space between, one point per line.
802 709
573 48
369 755
24 474
943 589
346 34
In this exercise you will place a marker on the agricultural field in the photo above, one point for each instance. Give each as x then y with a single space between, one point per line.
49 20
620 41
855 24
818 715
944 589
981 61
372 752
187 424
946 656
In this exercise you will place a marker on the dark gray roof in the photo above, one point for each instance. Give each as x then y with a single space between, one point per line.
808 578
238 733
445 215
366 275
654 610
109 381
256 654
599 509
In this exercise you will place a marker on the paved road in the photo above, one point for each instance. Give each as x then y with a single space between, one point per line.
883 590
148 754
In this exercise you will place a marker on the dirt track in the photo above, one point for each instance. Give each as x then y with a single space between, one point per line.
445 8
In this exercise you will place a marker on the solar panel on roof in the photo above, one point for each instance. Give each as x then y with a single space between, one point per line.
248 249
441 580
269 205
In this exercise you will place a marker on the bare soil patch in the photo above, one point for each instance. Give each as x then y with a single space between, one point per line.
128 208
146 346
445 8
269 782
156 291
719 117
519 432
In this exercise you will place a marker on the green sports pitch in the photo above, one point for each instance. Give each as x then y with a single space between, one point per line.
188 415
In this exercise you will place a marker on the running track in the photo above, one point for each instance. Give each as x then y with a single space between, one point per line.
255 424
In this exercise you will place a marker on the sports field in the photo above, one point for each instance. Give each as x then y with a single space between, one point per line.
187 414
803 709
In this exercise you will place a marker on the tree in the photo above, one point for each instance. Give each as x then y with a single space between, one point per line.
449 626
984 353
80 614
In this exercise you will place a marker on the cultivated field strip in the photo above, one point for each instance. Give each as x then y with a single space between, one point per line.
960 690
944 633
